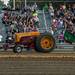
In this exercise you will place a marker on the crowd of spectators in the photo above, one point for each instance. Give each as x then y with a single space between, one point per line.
24 21
62 15
63 19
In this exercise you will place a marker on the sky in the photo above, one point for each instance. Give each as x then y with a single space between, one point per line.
5 1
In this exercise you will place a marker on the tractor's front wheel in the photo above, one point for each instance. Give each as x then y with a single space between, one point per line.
17 49
45 43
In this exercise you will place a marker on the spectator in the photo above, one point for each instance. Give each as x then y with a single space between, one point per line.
61 37
54 24
60 23
34 7
51 10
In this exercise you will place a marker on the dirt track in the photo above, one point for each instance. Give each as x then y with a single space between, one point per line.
33 63
37 56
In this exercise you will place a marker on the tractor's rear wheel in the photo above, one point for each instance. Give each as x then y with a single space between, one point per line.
45 43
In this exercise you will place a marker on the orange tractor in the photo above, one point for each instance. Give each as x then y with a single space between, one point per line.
41 42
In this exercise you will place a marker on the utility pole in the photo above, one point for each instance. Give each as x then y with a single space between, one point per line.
13 4
25 3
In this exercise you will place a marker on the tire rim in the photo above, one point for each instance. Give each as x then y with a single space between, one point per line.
18 49
47 43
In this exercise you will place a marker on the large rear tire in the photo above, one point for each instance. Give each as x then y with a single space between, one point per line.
45 43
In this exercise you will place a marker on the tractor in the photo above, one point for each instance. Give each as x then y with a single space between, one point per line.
41 42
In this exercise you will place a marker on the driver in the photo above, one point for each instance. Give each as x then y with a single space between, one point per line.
35 18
